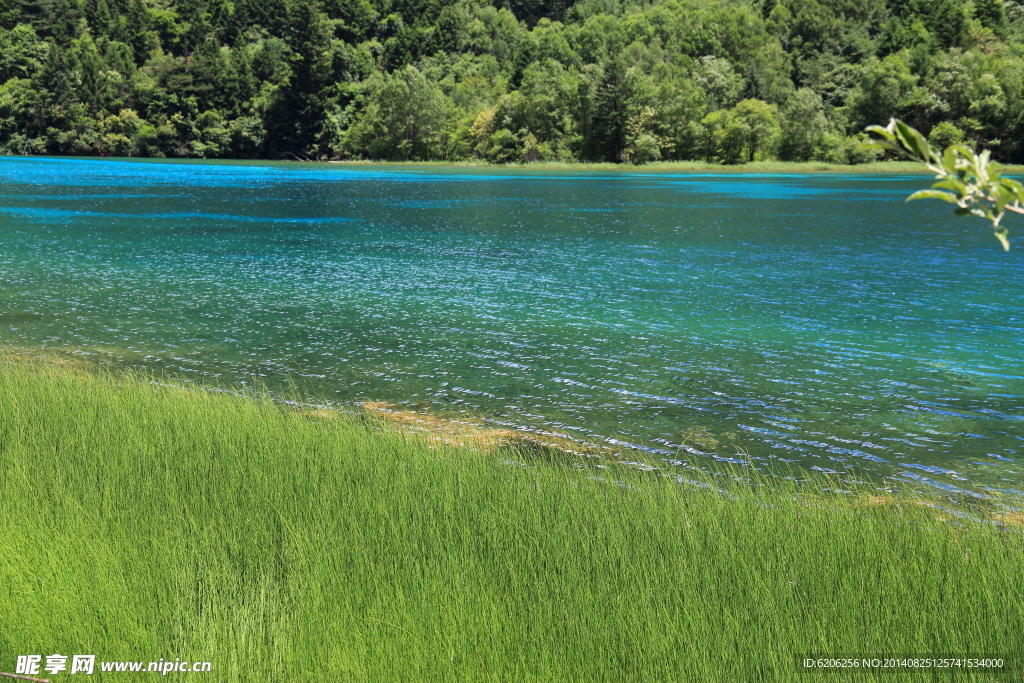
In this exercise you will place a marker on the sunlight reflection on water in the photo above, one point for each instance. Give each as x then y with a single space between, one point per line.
777 317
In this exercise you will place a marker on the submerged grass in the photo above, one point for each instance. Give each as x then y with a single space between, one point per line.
140 521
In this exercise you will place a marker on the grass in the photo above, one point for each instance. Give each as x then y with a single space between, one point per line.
907 167
911 167
140 522
677 166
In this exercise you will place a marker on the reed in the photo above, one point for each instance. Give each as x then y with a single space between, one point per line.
140 521
798 167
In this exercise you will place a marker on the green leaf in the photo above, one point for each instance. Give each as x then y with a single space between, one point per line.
949 158
934 194
1004 238
877 144
954 184
914 141
1002 198
968 180
1014 187
884 132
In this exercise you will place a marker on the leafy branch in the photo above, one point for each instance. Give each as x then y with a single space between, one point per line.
970 181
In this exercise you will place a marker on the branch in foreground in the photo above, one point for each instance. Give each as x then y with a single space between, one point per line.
970 181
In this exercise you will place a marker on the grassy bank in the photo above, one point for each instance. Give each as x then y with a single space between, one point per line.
910 167
677 166
140 522
796 167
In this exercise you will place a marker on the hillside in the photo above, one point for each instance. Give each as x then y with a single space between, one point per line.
520 80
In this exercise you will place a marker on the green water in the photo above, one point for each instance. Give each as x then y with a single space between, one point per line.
809 318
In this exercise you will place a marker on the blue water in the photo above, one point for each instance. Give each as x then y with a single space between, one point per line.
815 319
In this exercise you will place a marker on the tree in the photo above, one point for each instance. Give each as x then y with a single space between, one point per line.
966 179
298 113
404 119
753 124
884 91
803 124
770 72
607 114
720 82
643 144
562 79
991 14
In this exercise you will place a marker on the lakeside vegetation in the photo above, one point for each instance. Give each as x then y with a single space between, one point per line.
713 81
140 521
775 166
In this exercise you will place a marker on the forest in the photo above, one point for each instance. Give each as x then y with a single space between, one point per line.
627 81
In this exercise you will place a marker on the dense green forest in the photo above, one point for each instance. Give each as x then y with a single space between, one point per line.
506 80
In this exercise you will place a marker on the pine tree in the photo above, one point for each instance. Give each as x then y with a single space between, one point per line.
298 113
97 14
608 136
991 14
10 13
54 79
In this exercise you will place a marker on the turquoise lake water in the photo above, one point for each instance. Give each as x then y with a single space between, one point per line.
808 318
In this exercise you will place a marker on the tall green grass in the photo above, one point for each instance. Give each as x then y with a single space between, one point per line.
903 167
680 166
140 522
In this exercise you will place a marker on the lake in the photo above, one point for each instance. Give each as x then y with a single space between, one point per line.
814 319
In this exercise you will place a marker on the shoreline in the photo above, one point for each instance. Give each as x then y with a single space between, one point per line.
755 167
794 167
472 433
476 431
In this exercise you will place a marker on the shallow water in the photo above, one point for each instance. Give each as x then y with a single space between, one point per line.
810 318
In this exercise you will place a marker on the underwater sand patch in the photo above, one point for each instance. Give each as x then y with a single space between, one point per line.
444 430
952 514
45 357
475 433
1011 518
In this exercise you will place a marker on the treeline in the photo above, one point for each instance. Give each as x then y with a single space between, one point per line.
508 80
